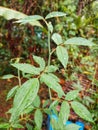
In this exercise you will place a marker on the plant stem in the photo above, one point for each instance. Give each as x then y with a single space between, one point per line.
10 128
50 94
49 58
49 48
53 51
19 78
94 74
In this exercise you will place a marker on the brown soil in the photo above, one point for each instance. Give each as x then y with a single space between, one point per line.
5 86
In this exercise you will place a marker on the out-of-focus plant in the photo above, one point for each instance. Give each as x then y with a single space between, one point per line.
15 40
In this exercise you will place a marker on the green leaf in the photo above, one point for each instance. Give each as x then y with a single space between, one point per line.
64 112
88 99
82 111
53 104
27 68
79 41
24 98
8 76
72 95
17 126
72 127
38 117
56 125
10 110
62 55
34 23
95 8
29 127
36 102
46 103
40 61
12 92
28 110
31 20
12 14
52 83
54 77
55 14
4 125
36 128
51 68
57 38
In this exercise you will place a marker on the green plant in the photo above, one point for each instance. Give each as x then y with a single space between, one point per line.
26 98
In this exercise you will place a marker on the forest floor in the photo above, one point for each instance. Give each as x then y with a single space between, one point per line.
5 86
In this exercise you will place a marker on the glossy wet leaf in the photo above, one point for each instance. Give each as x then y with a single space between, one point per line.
56 125
17 126
30 18
51 68
40 61
79 41
53 104
55 14
46 103
38 118
33 20
29 126
27 68
82 111
34 23
36 102
72 127
62 55
72 95
52 83
57 38
13 14
27 110
12 92
54 77
64 112
8 76
24 98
